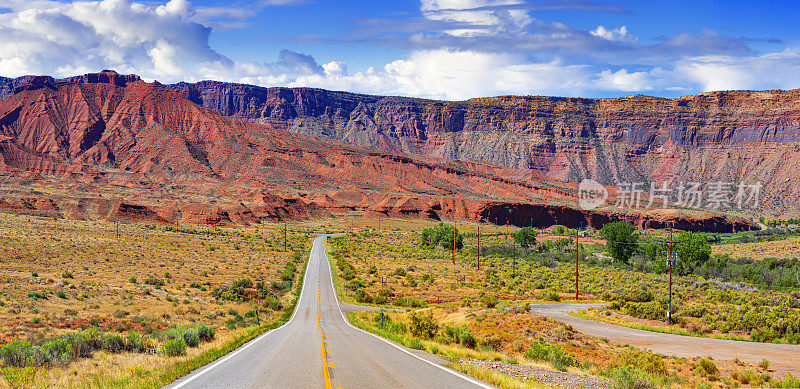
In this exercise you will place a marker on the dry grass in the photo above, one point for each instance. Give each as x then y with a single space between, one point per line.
94 271
783 248
453 297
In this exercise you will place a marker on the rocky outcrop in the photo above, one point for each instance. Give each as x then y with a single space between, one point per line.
40 206
114 136
732 136
129 212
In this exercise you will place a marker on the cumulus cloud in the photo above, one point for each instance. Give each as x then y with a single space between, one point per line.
619 34
483 48
57 38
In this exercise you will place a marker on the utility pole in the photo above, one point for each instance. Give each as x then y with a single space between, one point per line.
671 259
576 263
284 236
117 229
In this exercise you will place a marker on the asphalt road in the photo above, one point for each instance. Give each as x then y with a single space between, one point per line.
319 348
782 357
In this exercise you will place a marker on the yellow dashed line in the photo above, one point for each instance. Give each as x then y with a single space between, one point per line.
325 371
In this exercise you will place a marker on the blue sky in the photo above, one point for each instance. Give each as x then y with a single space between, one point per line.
447 49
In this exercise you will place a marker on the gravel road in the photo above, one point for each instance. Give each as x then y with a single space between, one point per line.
782 357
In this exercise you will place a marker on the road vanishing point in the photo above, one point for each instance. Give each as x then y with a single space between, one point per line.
319 348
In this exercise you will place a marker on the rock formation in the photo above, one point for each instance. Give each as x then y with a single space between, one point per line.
735 136
114 147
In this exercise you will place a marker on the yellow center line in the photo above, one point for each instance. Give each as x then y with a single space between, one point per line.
325 352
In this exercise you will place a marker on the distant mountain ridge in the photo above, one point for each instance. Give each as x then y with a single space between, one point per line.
735 136
106 136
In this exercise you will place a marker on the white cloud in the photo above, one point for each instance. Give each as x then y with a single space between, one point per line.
335 68
455 75
622 80
157 42
619 34
166 42
767 71
488 16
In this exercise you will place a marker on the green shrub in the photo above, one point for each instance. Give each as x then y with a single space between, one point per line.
409 302
175 347
788 381
135 342
58 351
362 296
706 367
155 282
461 335
415 344
553 353
234 292
191 338
112 343
423 326
628 377
652 310
205 332
526 237
16 354
642 360
537 352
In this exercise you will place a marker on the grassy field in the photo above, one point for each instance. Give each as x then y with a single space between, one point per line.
391 268
785 248
65 277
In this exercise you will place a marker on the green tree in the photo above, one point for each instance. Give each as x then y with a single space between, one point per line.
651 251
693 251
442 235
526 237
621 240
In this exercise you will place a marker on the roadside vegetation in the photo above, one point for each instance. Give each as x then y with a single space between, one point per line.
712 295
85 308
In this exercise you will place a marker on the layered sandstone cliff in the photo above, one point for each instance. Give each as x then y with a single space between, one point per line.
736 136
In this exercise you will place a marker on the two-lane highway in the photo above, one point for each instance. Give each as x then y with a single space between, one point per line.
319 348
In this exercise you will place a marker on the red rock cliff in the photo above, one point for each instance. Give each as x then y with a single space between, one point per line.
721 136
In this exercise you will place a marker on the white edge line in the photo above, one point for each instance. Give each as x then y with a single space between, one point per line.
451 371
257 339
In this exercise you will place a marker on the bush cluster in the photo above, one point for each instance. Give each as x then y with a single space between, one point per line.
642 360
423 326
178 338
237 291
442 235
553 353
458 335
61 350
384 320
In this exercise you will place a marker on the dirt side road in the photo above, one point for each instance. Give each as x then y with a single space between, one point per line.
782 357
